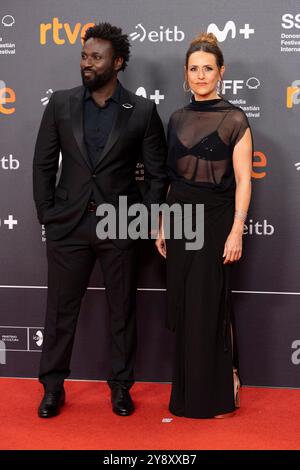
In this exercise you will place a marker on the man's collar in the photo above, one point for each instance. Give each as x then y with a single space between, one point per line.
114 97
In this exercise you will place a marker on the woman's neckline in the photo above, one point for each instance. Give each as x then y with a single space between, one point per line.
204 103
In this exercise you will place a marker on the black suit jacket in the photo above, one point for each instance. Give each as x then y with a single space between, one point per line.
137 134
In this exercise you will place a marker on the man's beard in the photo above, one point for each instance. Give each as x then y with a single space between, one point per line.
98 81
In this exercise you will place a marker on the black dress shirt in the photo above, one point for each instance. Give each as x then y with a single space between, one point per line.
98 122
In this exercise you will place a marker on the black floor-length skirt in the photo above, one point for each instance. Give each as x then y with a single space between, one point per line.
200 309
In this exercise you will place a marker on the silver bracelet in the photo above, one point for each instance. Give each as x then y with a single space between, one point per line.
242 215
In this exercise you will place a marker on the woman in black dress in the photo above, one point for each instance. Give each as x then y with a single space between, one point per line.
209 163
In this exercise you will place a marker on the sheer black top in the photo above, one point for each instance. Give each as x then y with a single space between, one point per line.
201 139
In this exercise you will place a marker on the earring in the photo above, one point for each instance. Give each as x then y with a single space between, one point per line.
185 87
219 87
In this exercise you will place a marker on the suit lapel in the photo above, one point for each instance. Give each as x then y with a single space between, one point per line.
126 107
76 104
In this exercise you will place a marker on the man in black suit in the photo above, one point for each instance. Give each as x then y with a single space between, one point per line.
101 130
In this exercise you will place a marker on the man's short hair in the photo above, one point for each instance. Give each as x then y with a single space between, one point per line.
120 42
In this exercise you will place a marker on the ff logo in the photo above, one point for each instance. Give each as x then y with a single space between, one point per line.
7 96
292 94
252 84
56 27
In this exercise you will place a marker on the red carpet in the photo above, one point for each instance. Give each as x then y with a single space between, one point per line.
268 419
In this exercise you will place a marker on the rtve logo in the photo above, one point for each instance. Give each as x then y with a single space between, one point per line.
7 99
59 33
293 94
230 27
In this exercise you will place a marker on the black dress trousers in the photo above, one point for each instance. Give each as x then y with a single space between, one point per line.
70 263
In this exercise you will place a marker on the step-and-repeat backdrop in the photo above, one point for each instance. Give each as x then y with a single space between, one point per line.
40 44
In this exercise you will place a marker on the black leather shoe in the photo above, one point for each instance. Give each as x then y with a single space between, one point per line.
51 404
122 403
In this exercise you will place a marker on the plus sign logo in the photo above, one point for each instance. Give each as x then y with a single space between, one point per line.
230 27
10 222
246 31
156 96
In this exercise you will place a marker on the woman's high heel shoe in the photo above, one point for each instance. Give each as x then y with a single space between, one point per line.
236 394
236 388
